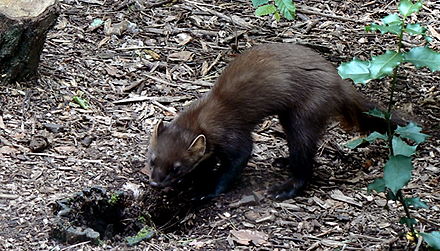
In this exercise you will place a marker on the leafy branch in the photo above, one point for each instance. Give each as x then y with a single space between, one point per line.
403 141
285 8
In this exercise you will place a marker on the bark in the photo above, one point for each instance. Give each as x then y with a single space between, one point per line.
23 28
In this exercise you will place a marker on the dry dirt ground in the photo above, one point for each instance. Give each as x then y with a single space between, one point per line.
150 60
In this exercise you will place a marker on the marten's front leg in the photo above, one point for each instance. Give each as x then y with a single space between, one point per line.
234 154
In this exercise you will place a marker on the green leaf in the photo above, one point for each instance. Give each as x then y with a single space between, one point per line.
397 172
144 234
408 221
96 23
415 29
372 137
287 8
392 19
375 135
265 10
384 64
391 24
415 202
356 70
428 39
412 132
355 143
257 3
407 7
81 102
376 113
402 148
432 238
378 185
423 57
277 16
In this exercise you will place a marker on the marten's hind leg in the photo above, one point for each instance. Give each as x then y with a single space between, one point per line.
302 133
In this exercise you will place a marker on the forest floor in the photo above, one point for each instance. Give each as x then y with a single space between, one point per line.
151 59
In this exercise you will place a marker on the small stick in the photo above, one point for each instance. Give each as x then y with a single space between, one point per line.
161 80
164 107
213 63
328 15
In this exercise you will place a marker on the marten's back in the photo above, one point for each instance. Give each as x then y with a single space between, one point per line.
269 79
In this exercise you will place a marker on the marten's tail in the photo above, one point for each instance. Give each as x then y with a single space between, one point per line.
353 114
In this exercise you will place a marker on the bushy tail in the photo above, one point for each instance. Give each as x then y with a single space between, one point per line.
353 114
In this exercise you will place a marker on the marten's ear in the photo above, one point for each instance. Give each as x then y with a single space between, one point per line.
158 128
198 146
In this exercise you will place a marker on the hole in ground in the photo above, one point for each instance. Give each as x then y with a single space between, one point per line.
97 215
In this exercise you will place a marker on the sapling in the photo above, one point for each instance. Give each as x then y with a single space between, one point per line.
278 8
403 141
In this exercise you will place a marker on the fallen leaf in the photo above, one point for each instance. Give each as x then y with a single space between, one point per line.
62 23
181 56
183 38
198 244
2 125
205 68
153 54
115 29
433 32
146 171
65 149
112 71
96 23
7 150
244 237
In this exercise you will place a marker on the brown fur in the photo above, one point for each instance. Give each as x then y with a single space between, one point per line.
287 80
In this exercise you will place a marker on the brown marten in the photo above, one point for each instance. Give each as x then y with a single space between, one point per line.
287 80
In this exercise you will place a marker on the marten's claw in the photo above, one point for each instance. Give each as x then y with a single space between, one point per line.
288 190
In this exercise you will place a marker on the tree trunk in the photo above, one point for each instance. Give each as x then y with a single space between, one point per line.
23 28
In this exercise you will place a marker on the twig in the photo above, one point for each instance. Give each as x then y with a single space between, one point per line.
165 99
164 107
310 12
154 5
427 221
133 85
144 47
49 155
75 245
161 80
419 240
8 196
213 63
222 16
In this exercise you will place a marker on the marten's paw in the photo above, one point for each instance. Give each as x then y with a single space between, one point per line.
287 190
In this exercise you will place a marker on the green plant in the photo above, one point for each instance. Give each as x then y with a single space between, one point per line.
144 234
114 198
403 141
285 8
83 103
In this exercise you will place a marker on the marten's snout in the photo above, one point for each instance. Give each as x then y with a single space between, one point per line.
157 178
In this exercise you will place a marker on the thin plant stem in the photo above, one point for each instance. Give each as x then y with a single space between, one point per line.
392 91
407 213
399 194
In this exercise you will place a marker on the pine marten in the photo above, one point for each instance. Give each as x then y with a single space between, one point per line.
290 81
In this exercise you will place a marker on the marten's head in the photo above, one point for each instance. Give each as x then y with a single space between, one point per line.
173 153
